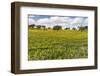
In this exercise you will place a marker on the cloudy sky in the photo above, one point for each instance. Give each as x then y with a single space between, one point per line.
64 21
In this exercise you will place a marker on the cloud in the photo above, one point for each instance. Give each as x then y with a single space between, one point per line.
31 21
77 20
85 23
54 20
43 21
62 21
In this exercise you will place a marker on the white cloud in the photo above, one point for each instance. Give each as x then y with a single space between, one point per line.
80 21
77 20
52 21
43 21
56 20
60 19
31 21
85 22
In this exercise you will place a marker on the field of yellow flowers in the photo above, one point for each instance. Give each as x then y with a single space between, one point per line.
52 44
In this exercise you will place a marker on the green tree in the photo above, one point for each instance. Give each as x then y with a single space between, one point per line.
57 27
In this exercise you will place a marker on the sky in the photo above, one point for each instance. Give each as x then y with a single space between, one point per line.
64 21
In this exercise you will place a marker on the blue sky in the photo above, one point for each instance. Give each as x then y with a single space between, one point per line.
64 21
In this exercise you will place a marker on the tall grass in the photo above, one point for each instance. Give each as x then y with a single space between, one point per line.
52 44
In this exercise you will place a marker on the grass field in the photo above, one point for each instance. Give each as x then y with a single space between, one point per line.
53 44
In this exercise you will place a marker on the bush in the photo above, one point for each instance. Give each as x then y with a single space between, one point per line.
32 26
49 27
57 28
67 28
38 27
73 28
44 27
84 28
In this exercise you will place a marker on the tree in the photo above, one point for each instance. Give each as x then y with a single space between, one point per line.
38 26
67 28
44 27
83 28
49 27
32 25
73 28
86 27
57 27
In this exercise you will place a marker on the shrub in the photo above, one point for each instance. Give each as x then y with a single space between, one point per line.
57 28
67 28
44 27
32 26
83 28
38 26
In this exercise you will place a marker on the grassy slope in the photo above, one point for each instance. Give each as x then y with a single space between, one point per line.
51 44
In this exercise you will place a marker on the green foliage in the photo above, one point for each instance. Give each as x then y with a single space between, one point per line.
38 27
31 26
62 44
57 28
84 28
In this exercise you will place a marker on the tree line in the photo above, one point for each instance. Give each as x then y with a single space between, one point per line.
56 27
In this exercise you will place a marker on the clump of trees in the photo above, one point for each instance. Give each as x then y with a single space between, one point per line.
57 27
83 28
38 27
44 27
73 28
66 28
32 26
49 27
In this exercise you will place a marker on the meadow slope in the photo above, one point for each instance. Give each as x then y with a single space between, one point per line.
53 44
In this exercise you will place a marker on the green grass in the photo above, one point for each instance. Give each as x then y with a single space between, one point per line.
52 44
